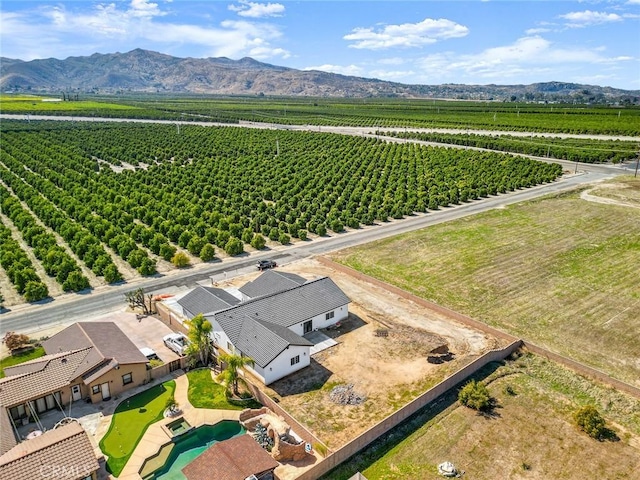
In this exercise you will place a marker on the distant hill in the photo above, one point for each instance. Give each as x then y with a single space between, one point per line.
146 71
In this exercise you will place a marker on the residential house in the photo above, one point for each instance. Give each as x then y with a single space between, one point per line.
270 320
85 361
65 452
238 458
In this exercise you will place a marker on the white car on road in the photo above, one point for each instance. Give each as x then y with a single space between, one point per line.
178 342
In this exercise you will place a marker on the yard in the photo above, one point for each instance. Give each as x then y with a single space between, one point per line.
530 434
382 351
561 271
204 392
19 358
130 420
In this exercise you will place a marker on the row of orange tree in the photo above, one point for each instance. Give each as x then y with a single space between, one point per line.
231 187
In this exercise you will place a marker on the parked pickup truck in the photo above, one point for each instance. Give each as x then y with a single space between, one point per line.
266 264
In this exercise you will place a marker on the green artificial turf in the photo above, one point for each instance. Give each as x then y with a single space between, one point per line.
130 421
13 360
205 393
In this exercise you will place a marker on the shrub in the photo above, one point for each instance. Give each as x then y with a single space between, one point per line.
475 395
35 290
208 252
234 246
111 274
14 340
258 242
180 260
283 238
590 421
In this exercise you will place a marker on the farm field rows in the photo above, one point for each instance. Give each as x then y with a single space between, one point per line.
561 272
568 118
143 192
578 150
530 433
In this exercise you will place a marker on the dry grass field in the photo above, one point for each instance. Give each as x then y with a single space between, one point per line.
562 271
529 435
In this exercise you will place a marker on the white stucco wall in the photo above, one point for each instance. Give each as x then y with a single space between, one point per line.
320 321
218 336
281 365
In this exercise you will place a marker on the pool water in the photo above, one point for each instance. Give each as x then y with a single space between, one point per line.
191 445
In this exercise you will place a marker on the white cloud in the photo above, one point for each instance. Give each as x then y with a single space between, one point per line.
257 10
391 75
406 35
536 31
588 18
353 70
526 57
59 32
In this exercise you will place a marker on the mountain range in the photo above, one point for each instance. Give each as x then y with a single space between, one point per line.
147 71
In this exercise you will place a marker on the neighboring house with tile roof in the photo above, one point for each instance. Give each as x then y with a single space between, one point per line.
65 452
238 458
88 360
270 282
270 327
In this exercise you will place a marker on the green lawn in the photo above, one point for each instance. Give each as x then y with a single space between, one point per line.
130 421
12 360
205 393
560 271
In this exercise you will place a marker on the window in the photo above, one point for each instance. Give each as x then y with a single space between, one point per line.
95 389
295 360
127 378
329 316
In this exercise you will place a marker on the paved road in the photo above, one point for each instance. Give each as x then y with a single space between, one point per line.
80 306
320 128
76 307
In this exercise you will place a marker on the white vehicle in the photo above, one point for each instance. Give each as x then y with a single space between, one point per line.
178 342
149 353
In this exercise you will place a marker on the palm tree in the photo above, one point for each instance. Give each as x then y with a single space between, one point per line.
199 330
234 363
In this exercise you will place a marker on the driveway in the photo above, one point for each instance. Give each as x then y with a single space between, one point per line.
143 331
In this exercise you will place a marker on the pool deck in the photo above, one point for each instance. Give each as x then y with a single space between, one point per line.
155 436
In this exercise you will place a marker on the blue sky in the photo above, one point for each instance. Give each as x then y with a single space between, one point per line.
416 42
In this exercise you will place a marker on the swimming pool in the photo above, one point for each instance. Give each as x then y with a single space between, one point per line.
185 448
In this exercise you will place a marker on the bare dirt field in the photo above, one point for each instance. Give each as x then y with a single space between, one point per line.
530 434
382 351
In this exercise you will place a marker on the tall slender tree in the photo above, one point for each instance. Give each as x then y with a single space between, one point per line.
199 330
234 364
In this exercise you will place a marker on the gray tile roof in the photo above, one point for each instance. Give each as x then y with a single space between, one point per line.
206 300
67 448
259 327
294 305
49 374
271 282
106 340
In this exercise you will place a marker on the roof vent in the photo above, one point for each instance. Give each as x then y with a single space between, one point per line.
64 360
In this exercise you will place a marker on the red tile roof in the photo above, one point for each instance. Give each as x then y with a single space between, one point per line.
65 452
41 376
233 459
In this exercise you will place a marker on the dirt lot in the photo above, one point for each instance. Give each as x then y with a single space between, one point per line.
382 350
531 430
